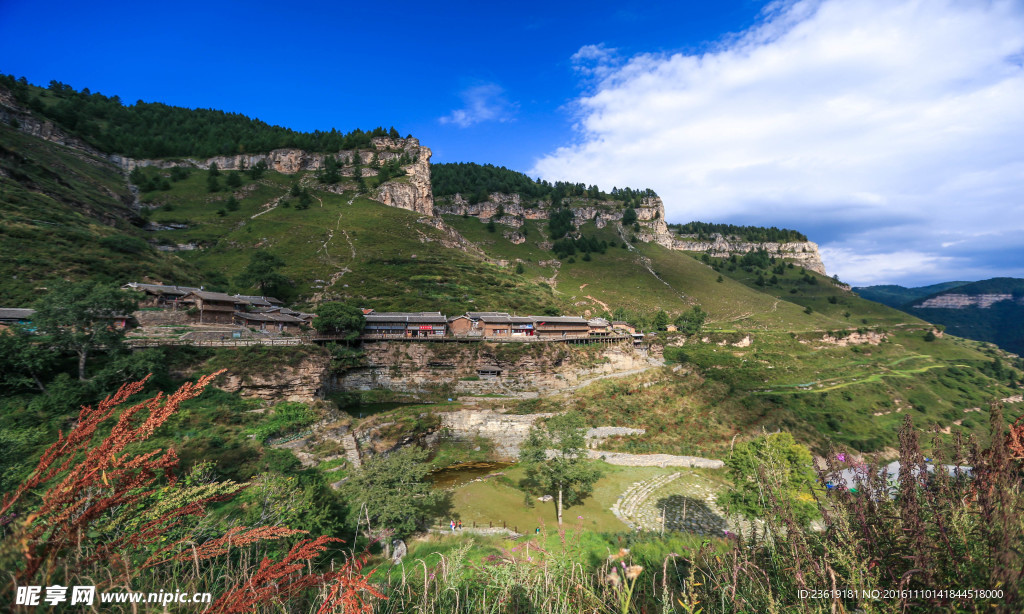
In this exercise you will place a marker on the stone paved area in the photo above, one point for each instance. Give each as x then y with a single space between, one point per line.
688 504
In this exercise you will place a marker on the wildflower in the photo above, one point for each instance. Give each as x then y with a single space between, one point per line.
622 553
841 457
633 571
579 518
613 578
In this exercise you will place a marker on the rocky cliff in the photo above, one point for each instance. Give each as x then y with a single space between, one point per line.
650 218
482 368
802 253
410 192
962 301
298 375
650 214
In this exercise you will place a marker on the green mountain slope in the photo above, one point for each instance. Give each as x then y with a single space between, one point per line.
783 347
66 213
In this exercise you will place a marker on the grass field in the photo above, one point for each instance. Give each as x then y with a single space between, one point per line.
497 499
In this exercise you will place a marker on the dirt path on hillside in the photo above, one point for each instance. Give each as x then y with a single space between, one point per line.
601 303
270 206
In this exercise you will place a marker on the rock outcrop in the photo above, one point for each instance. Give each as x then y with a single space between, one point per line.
650 219
962 301
411 191
802 253
470 368
302 381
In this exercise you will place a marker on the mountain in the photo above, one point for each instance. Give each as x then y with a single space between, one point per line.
990 310
898 296
367 219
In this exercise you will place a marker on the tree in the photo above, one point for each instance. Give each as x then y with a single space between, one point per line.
262 273
629 216
79 317
566 475
491 227
212 184
339 319
771 462
690 322
257 170
24 361
661 320
391 494
214 170
232 203
519 268
234 180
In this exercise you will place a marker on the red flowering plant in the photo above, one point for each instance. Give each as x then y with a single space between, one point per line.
97 512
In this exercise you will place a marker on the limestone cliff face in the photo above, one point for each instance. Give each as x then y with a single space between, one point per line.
962 301
650 214
301 382
803 253
523 367
410 192
650 217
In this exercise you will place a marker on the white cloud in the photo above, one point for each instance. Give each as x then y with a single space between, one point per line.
482 103
825 114
596 60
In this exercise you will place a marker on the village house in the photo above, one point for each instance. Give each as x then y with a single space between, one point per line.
522 326
496 325
273 321
159 295
460 326
259 301
599 327
212 307
623 326
561 326
10 316
382 324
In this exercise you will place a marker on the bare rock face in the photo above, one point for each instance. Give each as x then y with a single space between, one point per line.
506 431
523 367
867 338
802 253
301 382
412 192
962 301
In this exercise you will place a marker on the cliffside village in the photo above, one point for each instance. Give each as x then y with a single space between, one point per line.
267 314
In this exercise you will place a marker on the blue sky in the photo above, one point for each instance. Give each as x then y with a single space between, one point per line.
887 130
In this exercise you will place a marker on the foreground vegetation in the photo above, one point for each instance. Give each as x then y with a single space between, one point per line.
98 510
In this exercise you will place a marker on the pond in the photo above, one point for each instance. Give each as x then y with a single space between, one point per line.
464 473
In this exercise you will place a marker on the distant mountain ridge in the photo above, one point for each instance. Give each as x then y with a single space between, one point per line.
988 310
898 296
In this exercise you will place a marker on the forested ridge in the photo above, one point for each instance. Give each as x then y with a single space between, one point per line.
754 234
475 182
156 130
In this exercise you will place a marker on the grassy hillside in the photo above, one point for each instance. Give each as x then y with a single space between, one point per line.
68 214
343 246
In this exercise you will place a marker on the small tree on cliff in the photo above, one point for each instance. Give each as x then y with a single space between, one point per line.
566 475
339 319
